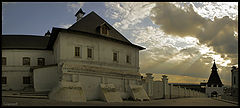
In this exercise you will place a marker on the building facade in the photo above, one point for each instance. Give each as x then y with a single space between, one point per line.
88 61
77 60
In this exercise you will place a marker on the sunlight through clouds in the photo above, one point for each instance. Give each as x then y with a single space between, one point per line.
189 42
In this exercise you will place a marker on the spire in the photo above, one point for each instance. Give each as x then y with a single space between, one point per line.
214 65
214 78
79 14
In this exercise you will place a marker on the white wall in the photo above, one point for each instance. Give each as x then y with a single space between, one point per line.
15 80
45 78
91 86
157 89
14 69
219 90
103 49
15 56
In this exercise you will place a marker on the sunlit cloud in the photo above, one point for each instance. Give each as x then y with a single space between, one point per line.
74 6
65 25
183 37
128 13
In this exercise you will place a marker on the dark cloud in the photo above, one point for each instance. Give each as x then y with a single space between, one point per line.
218 34
176 21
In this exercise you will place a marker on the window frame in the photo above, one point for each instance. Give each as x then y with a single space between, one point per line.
23 62
128 59
104 27
43 62
5 59
92 53
79 52
26 80
117 56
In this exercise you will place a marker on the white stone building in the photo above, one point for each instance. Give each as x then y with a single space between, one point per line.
214 86
88 61
74 64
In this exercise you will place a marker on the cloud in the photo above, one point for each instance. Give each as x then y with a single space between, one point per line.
217 9
174 45
75 6
218 34
129 13
66 26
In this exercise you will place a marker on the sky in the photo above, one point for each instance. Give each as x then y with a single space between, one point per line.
181 38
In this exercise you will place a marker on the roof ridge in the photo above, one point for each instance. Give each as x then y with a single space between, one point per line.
90 22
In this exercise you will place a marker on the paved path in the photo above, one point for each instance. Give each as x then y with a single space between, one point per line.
10 101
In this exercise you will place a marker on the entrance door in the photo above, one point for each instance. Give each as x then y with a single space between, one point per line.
214 94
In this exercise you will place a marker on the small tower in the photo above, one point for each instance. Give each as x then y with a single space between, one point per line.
79 14
47 34
214 85
214 79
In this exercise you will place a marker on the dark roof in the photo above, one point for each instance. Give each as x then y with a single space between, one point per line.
214 78
48 33
55 32
80 11
24 42
90 24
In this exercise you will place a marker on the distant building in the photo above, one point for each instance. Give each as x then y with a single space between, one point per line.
234 81
214 85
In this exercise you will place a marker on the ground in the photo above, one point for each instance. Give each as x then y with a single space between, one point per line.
13 101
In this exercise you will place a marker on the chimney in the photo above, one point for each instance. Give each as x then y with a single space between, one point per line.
79 14
47 34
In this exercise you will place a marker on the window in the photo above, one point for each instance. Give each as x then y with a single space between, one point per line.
4 80
128 59
115 56
26 80
90 53
41 61
26 61
4 60
104 29
77 51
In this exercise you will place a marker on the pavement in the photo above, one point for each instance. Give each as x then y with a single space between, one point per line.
18 94
16 98
13 101
224 100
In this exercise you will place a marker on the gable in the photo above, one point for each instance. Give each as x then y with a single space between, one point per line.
92 23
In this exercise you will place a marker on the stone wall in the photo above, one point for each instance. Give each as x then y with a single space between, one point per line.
163 90
45 78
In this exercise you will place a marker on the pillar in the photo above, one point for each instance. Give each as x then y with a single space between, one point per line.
165 84
149 82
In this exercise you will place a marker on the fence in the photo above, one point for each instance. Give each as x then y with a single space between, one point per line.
161 89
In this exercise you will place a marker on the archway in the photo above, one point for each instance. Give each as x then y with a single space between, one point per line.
214 94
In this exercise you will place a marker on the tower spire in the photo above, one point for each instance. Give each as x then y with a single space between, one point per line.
214 65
